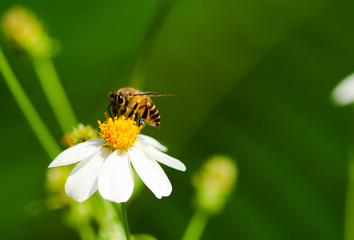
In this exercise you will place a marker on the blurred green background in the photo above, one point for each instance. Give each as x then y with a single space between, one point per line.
252 80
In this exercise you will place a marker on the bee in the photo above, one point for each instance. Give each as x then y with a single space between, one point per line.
135 103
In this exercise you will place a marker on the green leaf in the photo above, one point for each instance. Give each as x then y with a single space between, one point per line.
142 236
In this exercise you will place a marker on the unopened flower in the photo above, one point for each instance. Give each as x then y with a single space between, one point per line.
214 182
343 93
80 134
25 32
105 163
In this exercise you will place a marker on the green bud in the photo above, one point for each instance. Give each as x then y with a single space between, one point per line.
214 183
80 134
25 32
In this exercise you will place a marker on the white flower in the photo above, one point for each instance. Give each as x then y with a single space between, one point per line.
343 93
106 167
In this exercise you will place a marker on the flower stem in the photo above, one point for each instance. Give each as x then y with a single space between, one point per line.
55 93
196 225
125 220
108 219
349 208
140 67
33 118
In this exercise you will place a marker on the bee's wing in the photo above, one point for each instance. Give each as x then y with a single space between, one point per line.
151 94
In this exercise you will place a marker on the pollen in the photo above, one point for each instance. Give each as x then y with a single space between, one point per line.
119 133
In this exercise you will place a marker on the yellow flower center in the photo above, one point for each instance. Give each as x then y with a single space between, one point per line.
119 133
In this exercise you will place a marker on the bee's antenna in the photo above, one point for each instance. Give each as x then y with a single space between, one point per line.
152 94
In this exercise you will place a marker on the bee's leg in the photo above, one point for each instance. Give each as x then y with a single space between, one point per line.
141 122
145 113
109 110
122 111
136 118
132 112
144 116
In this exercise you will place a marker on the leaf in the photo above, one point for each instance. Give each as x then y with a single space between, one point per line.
142 236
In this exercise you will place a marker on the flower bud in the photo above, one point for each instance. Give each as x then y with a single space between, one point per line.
214 183
80 134
25 32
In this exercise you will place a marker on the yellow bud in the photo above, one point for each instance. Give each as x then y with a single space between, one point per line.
214 182
80 134
25 31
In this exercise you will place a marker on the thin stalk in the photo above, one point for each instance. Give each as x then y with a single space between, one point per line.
108 219
140 67
125 221
33 118
349 204
349 207
55 93
196 225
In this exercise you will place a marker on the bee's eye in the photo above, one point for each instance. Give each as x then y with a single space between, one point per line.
120 99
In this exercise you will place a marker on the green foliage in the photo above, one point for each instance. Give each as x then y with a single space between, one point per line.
252 80
143 236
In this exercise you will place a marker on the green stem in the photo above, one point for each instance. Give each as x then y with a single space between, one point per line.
108 219
55 93
139 70
349 208
196 225
125 220
33 118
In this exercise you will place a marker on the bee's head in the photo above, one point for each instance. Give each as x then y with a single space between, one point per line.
116 99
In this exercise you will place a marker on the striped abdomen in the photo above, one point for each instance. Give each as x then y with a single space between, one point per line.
153 115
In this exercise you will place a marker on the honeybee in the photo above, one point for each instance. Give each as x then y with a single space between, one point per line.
135 103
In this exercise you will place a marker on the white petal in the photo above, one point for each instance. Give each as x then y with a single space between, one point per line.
343 93
151 141
154 154
150 172
82 181
78 152
116 180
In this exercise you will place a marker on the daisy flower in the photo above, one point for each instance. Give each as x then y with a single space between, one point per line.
343 93
105 164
